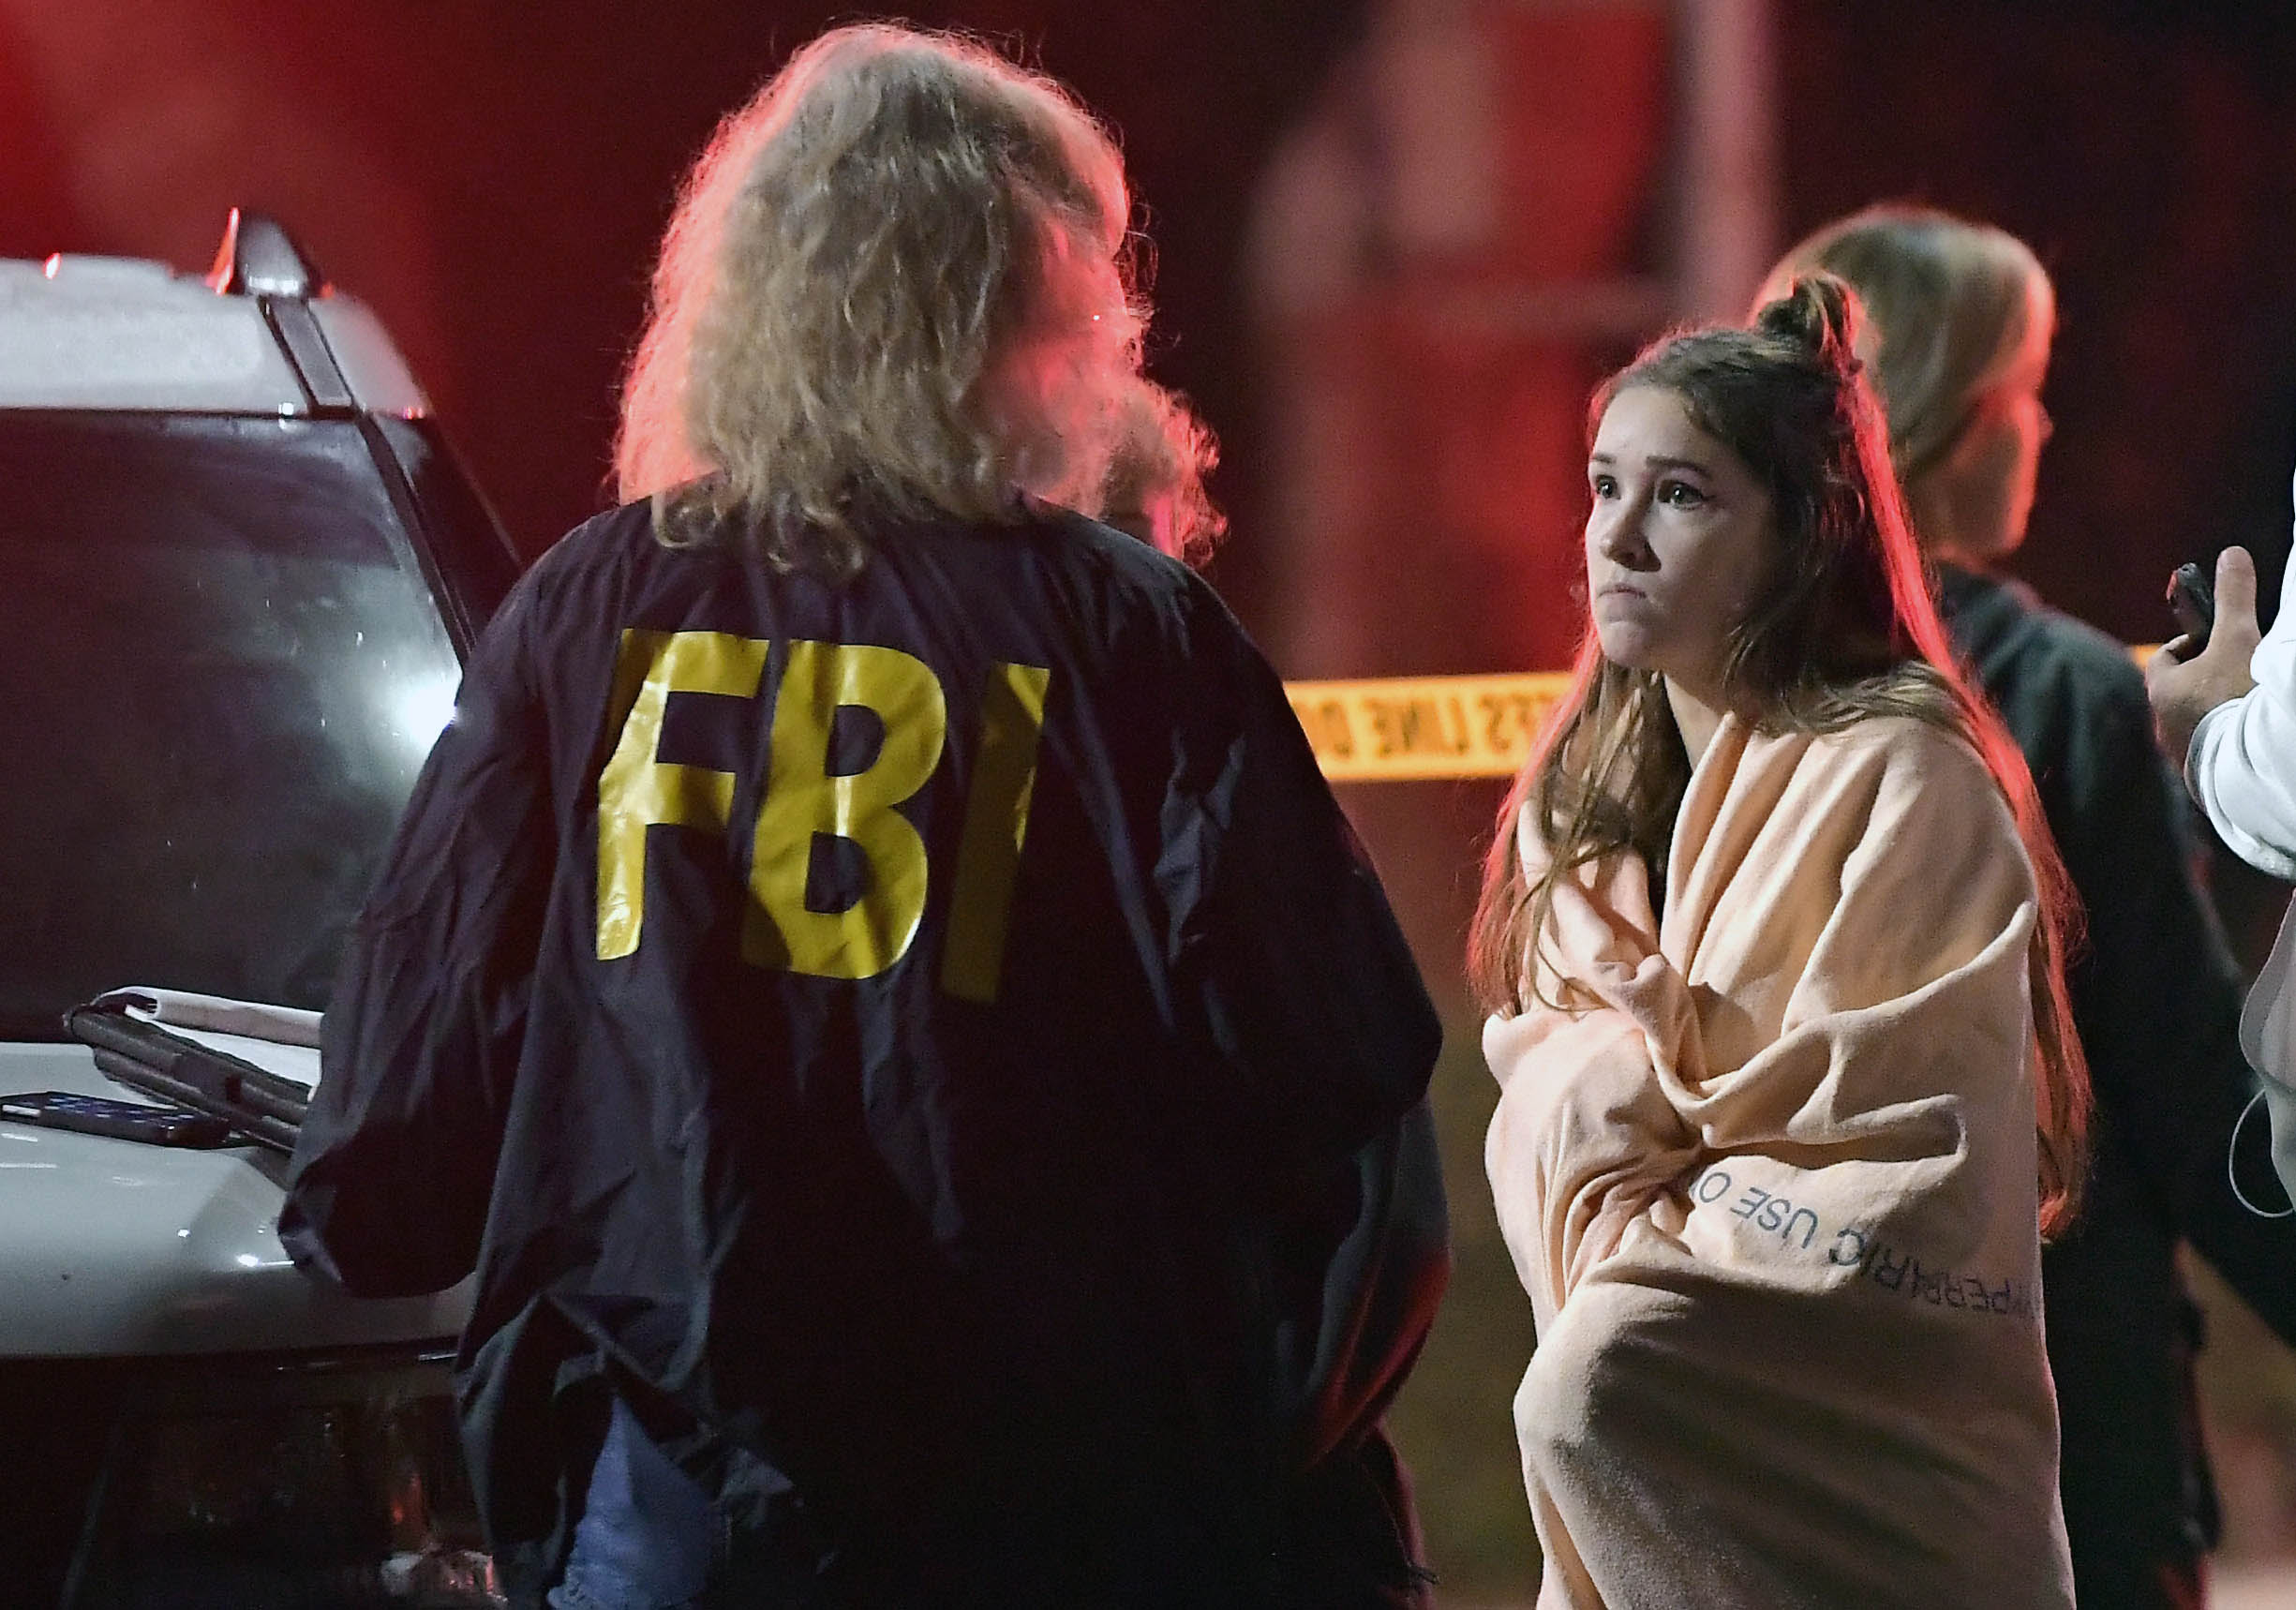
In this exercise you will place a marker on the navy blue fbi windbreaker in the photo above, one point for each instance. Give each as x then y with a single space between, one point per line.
931 1044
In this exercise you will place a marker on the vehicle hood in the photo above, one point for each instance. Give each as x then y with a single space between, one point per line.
116 1248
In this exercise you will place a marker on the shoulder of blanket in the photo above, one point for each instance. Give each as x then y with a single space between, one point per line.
1918 820
1914 758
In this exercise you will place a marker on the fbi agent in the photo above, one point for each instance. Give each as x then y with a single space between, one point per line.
871 978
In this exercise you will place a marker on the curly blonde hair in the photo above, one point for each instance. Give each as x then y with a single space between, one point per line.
1155 488
895 284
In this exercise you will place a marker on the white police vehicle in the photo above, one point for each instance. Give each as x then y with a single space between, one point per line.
238 570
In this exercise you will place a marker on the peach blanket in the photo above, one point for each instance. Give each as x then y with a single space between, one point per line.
1774 1199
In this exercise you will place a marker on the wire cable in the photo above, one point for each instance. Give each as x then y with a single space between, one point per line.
2232 1174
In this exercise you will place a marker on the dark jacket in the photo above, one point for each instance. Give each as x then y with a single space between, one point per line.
931 1044
2157 1002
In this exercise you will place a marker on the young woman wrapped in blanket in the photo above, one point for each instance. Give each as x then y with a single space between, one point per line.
1772 935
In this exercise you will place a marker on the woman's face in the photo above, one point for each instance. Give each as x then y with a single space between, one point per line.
1680 540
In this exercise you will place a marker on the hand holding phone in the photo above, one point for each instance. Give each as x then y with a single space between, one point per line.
2192 598
2194 675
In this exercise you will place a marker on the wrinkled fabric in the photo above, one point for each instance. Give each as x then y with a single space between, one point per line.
1773 1198
1084 1292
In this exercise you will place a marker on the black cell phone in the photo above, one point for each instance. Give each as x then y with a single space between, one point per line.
122 1120
2192 598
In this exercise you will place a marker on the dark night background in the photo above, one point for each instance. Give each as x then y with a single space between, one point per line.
492 177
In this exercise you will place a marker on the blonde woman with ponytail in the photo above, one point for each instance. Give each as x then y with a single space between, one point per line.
1962 317
1772 937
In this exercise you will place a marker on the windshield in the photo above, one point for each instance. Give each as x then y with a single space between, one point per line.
220 669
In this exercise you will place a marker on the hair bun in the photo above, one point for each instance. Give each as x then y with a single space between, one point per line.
1820 314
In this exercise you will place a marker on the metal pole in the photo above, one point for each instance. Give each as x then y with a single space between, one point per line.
1727 211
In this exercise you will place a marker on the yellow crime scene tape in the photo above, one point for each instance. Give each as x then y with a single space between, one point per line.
1400 729
1392 729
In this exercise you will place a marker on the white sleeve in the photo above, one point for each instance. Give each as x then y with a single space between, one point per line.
2242 768
2241 765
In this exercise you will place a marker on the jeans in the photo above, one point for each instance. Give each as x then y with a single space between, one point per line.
647 1534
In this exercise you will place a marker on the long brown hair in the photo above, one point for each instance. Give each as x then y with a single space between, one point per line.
1847 629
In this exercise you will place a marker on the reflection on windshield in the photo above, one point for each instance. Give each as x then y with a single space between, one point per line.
220 674
416 710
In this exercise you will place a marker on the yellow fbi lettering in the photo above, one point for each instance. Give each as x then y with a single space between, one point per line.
804 800
635 790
